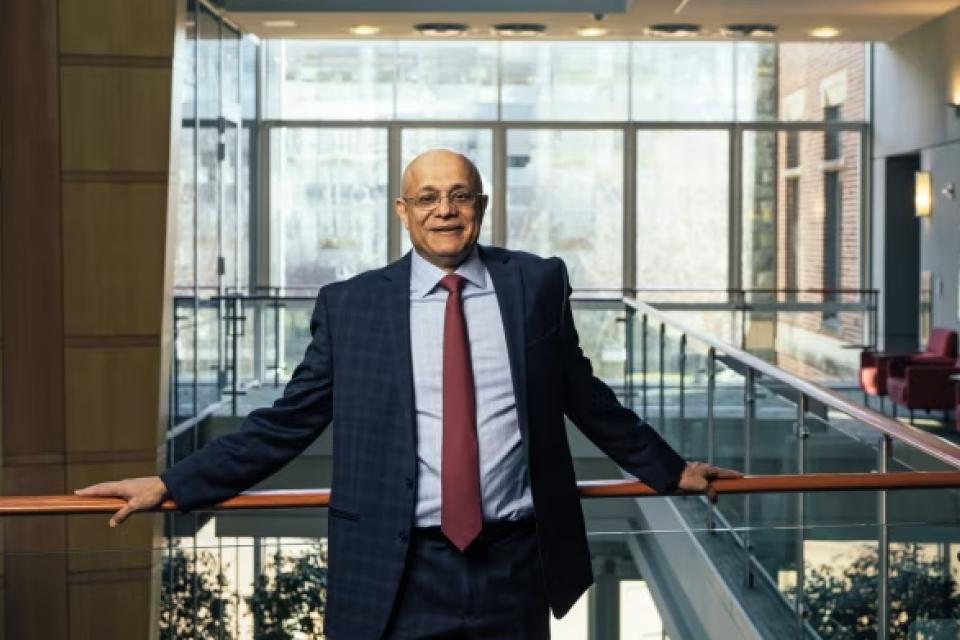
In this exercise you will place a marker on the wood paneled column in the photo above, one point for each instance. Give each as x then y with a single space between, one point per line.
86 173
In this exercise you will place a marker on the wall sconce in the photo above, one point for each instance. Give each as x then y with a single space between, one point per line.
923 193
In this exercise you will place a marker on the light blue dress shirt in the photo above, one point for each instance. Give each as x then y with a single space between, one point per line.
504 478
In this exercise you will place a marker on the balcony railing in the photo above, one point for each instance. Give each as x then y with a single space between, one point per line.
822 470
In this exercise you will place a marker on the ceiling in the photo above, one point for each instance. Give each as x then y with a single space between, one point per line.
857 20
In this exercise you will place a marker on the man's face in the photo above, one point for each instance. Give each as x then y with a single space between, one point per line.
437 210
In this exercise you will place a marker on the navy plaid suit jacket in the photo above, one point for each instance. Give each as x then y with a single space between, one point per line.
357 373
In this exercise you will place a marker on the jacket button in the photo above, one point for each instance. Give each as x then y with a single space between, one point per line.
409 482
402 536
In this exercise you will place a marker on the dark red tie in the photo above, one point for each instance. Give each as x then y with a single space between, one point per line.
460 515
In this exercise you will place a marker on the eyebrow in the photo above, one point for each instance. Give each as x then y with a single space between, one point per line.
456 185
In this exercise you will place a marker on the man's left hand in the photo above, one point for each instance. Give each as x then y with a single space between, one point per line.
697 477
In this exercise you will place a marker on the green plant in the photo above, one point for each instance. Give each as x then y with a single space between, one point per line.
192 604
843 604
289 596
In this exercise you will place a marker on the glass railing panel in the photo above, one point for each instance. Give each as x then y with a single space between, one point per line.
839 534
209 346
666 413
771 446
651 380
247 341
184 366
924 565
602 329
693 398
295 332
252 574
729 437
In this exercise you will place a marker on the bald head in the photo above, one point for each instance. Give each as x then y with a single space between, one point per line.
442 206
433 158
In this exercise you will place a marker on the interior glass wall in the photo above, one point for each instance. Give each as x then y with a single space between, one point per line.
213 230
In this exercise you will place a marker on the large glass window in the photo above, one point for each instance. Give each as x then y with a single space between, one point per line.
683 81
565 202
328 203
682 209
564 81
330 80
447 81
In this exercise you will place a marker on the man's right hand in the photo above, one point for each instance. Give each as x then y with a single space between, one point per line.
141 494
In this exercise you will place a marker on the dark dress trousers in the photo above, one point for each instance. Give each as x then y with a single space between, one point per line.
357 373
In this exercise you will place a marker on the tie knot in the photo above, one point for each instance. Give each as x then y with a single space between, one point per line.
452 283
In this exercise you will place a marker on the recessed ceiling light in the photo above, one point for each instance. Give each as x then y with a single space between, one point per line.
519 29
825 32
591 31
279 24
441 29
364 29
750 30
673 30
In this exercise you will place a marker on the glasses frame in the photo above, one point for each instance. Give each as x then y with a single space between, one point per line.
412 200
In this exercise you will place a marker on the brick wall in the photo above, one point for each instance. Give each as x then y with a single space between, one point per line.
812 76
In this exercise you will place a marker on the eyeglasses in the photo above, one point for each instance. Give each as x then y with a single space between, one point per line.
431 199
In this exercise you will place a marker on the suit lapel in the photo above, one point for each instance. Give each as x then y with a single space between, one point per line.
508 283
397 316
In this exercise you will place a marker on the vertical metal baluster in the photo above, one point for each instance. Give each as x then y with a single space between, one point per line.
276 339
643 361
628 362
883 545
711 426
748 406
663 331
235 357
681 408
802 434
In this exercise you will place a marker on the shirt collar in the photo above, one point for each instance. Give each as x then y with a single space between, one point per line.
425 276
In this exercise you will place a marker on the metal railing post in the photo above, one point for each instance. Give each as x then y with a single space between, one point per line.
883 545
276 339
628 363
643 361
681 404
235 355
748 406
711 426
660 400
802 434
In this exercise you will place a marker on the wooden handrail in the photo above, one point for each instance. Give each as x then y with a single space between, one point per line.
313 498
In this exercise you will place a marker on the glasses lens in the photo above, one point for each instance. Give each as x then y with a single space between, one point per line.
425 200
461 198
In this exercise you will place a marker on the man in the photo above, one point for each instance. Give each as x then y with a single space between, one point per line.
454 510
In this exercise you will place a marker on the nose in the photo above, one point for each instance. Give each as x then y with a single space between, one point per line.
445 208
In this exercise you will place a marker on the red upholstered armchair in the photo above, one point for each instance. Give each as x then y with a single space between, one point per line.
922 386
941 350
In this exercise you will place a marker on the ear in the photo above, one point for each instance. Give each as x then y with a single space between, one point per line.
400 208
482 204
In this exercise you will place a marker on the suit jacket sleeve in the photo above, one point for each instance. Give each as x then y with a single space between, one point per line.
617 431
269 437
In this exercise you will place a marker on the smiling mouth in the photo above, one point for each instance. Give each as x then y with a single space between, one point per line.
447 229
